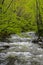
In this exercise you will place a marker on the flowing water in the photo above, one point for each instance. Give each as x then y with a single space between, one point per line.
21 51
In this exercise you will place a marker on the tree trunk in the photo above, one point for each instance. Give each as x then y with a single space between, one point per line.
38 18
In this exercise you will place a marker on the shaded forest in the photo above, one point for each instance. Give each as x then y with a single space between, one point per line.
17 16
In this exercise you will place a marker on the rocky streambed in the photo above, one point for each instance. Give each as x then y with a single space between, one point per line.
20 52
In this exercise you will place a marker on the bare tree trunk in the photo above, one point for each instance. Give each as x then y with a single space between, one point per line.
38 17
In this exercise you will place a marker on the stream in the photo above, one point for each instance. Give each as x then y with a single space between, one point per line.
21 51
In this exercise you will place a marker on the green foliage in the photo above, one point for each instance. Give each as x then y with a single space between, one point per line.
18 16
